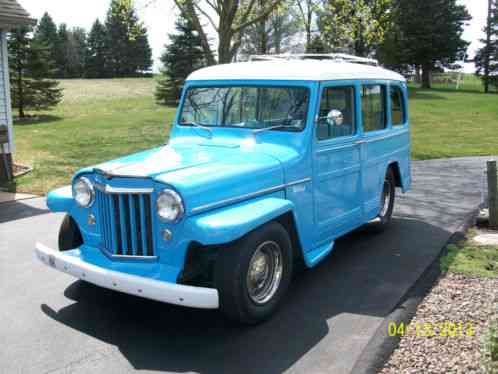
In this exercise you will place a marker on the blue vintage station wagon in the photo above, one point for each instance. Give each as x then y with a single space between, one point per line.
268 163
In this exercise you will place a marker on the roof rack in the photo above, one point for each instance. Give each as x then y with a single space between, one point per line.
317 56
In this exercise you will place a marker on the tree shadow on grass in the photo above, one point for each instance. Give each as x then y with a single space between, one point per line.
424 94
35 120
460 90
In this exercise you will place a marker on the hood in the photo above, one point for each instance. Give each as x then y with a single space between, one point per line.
203 175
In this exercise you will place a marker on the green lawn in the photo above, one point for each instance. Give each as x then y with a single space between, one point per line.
450 123
103 119
97 121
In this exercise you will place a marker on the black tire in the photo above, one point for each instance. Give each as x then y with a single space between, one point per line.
388 196
232 280
69 234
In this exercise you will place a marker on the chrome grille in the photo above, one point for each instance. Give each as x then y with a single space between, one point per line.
126 223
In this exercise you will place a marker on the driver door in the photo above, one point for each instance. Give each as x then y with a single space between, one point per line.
337 163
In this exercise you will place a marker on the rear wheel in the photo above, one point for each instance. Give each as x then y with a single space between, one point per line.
253 274
69 234
387 199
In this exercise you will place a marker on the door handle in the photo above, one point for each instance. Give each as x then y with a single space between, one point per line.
360 142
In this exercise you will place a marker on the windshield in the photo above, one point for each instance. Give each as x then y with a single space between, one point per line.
284 108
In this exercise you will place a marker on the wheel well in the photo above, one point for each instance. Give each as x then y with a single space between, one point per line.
287 220
394 166
69 234
199 260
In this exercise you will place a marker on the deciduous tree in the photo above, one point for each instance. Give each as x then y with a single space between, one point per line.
308 11
356 26
229 18
276 34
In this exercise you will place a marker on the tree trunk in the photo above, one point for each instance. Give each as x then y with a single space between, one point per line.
224 48
20 91
418 78
426 75
188 10
487 49
263 38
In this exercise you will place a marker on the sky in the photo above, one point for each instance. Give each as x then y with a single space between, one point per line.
159 17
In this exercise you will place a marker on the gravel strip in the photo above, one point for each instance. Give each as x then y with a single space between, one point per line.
455 298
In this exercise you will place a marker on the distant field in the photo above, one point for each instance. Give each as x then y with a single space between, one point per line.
98 120
103 119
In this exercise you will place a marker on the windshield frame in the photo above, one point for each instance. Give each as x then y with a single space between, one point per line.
248 83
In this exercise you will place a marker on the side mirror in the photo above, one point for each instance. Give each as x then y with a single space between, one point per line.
335 118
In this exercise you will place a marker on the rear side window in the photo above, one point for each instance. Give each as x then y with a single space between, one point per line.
397 106
340 99
373 106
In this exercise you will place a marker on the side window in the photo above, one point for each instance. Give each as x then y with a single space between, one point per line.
373 106
339 99
397 106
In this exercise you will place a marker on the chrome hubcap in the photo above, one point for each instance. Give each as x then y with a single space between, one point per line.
386 198
265 272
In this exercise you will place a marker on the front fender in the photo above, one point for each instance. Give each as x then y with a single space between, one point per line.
231 223
60 200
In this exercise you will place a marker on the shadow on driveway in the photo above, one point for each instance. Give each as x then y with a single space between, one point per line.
14 210
364 277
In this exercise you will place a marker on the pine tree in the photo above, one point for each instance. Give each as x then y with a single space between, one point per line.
61 52
76 52
95 60
30 65
129 52
486 58
430 33
182 56
46 33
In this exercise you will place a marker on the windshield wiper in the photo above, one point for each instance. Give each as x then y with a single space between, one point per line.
257 131
198 125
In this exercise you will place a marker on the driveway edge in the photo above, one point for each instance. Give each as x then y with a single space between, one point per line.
381 345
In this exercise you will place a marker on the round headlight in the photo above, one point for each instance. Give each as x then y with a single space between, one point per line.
169 206
83 192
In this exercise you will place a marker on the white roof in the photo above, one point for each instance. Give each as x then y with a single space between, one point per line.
307 70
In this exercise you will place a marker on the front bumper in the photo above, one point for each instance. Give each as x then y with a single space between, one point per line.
172 293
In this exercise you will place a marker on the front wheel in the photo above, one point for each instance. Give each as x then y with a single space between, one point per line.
254 273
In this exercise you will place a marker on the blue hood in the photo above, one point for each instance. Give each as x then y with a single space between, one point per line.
202 173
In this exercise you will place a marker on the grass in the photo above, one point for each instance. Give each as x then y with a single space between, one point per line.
450 123
103 119
98 120
471 259
490 349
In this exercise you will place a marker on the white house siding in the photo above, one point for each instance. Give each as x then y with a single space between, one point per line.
5 103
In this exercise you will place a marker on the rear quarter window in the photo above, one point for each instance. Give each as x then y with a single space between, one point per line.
398 112
373 106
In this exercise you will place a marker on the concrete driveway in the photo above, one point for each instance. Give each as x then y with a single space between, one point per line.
51 323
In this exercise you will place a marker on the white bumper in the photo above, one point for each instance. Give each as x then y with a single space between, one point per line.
172 293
